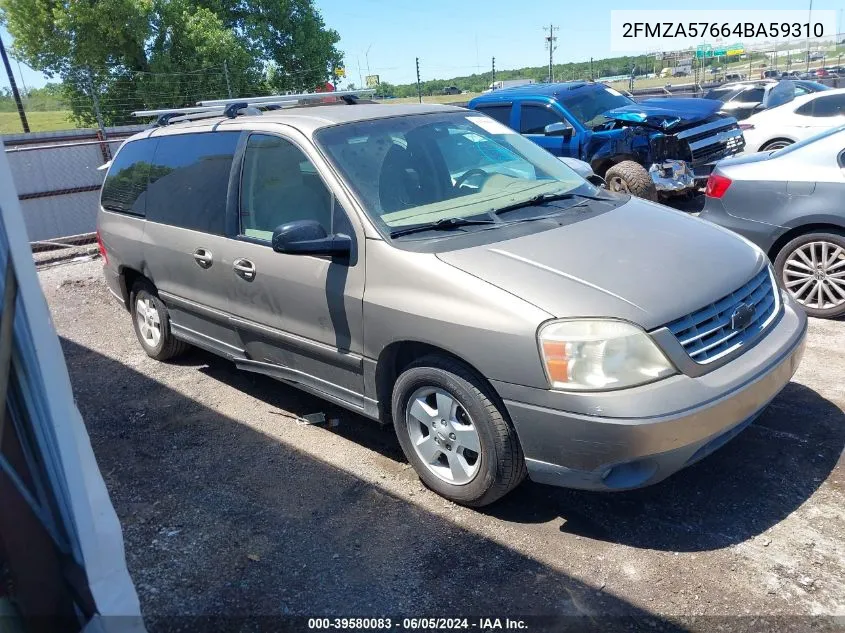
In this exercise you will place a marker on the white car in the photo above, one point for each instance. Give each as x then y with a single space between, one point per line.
795 120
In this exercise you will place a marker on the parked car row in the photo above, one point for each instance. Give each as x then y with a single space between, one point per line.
431 268
743 98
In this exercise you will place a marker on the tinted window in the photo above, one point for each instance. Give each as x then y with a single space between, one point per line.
753 95
126 183
280 185
832 105
533 119
502 113
189 179
720 94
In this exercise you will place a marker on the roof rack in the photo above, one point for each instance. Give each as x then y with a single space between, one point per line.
245 105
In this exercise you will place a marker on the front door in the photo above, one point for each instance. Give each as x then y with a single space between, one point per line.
533 119
301 312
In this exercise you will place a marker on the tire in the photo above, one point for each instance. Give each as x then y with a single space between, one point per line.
793 276
164 345
633 178
778 143
499 465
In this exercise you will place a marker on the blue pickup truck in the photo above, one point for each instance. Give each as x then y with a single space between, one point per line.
657 147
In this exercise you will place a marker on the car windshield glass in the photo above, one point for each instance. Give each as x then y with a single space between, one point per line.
589 104
428 168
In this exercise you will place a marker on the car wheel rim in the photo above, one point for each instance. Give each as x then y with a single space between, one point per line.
814 274
778 145
149 322
617 184
443 435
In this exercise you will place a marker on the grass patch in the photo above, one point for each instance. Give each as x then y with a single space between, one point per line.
10 122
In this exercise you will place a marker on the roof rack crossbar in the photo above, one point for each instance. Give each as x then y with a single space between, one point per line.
250 105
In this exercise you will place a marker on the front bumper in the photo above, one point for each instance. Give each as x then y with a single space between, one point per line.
650 432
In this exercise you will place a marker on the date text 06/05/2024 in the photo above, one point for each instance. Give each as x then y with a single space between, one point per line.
417 624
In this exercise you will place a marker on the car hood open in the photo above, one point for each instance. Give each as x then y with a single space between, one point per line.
641 262
666 114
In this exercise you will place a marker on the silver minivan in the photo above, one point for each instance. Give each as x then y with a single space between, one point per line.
427 267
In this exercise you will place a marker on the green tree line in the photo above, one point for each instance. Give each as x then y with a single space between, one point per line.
139 54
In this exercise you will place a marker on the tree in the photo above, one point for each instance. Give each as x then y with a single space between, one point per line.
138 54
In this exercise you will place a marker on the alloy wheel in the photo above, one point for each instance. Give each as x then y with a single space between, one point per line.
443 435
149 321
814 274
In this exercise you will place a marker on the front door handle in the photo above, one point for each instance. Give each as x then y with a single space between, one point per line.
244 268
203 257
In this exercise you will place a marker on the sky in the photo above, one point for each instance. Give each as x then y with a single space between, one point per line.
383 37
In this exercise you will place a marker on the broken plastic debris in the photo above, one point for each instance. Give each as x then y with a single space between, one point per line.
253 557
312 419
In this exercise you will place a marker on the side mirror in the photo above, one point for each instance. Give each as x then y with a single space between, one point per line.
583 169
560 128
308 237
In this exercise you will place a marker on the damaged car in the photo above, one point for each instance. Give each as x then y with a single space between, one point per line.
654 148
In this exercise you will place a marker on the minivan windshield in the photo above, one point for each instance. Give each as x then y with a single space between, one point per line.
441 168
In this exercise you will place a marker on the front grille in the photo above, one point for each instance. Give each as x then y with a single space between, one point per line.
707 334
713 141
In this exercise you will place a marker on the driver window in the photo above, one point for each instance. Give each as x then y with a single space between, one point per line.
279 185
533 119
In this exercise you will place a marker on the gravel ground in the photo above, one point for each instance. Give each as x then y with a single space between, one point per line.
229 506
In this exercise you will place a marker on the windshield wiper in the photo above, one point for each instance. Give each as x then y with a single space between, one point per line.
541 199
444 224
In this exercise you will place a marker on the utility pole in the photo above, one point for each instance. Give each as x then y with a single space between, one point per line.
15 93
493 74
419 87
809 21
550 42
96 101
226 75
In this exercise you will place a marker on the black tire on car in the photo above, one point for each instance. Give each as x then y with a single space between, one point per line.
630 177
152 323
797 275
499 465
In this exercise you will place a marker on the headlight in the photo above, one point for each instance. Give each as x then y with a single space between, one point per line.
596 354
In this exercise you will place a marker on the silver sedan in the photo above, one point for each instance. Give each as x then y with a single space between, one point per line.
791 203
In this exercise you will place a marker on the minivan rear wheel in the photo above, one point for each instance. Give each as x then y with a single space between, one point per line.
152 323
811 268
456 437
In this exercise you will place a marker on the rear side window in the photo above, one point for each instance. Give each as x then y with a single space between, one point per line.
832 105
189 180
502 113
125 187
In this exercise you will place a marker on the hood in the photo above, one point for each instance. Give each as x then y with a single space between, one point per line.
666 114
641 262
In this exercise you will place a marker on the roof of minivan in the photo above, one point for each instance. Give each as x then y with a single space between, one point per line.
309 119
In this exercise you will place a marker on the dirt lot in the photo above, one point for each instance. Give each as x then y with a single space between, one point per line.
231 507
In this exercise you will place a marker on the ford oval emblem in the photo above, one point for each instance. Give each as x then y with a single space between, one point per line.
742 317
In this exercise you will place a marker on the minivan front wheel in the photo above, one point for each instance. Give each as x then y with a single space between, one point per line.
454 435
152 323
